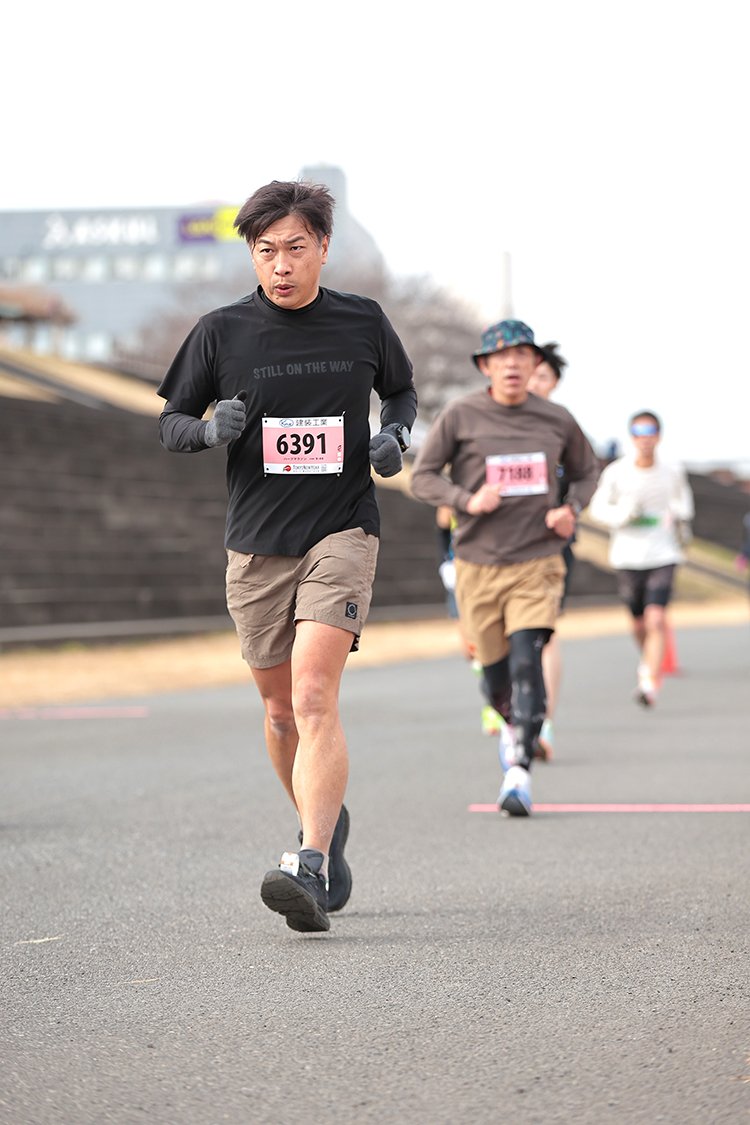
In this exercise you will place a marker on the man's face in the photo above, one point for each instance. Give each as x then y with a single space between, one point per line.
509 372
543 380
288 259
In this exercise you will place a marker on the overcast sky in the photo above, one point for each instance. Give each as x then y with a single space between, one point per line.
602 145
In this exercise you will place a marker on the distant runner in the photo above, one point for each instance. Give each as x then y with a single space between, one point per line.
503 446
648 506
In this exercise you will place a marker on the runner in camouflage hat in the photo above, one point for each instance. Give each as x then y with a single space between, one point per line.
505 334
492 457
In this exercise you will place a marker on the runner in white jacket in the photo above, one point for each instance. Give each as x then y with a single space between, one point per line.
648 506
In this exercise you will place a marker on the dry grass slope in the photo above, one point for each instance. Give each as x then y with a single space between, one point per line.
39 677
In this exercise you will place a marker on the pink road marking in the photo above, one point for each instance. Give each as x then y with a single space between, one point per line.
74 712
622 808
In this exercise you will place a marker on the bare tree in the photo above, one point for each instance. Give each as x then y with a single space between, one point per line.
438 330
439 333
162 334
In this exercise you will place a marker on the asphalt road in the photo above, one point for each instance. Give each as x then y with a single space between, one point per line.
583 967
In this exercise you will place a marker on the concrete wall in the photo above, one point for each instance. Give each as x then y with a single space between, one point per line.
100 525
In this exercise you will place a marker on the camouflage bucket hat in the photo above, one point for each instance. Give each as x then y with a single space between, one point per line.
506 334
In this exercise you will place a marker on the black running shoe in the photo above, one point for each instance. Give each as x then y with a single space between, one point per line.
298 892
339 872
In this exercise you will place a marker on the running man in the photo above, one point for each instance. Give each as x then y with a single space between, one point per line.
647 506
291 368
503 446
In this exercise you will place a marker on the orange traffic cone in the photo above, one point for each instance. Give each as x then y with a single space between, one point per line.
669 666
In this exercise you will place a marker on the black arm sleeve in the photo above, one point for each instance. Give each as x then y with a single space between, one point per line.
181 433
395 381
399 407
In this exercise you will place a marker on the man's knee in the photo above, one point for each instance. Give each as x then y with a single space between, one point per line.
280 714
654 618
526 648
313 701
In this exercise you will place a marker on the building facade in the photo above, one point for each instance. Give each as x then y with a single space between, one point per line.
118 269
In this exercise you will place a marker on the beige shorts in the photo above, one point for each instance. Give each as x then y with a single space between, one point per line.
495 601
268 594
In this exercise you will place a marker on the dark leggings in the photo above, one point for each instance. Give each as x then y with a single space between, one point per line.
515 688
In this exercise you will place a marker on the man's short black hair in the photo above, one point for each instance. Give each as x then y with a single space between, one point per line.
551 356
312 202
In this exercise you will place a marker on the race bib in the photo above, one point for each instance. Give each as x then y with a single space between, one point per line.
303 445
518 474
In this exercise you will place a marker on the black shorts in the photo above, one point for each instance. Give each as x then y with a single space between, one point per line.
639 588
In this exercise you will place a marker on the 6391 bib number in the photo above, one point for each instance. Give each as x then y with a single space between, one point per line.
303 445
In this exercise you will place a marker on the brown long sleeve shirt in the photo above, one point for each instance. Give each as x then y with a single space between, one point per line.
526 448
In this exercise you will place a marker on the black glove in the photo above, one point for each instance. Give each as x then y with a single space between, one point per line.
228 421
385 452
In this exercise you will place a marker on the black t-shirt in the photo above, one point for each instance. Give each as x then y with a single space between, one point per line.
321 361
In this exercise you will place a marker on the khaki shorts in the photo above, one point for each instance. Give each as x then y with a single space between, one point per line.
495 601
268 594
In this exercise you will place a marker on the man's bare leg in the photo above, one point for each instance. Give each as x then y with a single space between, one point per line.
275 687
321 764
654 623
304 737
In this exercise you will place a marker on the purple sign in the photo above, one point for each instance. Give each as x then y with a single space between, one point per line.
197 228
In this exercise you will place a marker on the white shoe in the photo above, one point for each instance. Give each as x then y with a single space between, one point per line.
514 798
645 693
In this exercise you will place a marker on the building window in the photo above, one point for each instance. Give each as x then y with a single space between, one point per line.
65 268
126 267
34 270
155 267
42 339
210 268
98 346
95 268
69 345
185 267
16 335
10 269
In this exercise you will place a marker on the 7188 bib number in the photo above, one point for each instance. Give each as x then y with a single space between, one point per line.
518 474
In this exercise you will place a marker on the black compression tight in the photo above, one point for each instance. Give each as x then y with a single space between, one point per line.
515 688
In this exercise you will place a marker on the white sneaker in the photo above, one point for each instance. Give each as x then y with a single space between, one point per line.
507 751
645 693
514 798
